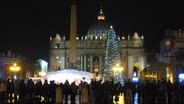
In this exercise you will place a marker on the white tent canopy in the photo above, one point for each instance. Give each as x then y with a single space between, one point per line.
70 75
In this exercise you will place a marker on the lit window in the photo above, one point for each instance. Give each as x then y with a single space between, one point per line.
168 43
57 57
96 37
118 38
100 37
123 37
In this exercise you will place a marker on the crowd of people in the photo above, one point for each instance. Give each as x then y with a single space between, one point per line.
97 92
160 92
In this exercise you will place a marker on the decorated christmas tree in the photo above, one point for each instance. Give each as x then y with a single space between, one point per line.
112 54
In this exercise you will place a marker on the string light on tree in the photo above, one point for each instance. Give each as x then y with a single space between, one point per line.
112 54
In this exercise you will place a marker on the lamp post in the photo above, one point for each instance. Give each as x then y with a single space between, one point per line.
14 68
117 71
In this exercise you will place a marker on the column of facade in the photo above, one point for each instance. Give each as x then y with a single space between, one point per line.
85 62
52 58
65 60
65 54
62 60
142 63
91 63
130 66
100 65
82 61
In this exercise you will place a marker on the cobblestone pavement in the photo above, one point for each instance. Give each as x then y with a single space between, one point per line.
120 101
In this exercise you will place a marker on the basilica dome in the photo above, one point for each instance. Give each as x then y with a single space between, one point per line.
100 28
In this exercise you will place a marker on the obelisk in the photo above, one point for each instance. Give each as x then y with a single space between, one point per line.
73 34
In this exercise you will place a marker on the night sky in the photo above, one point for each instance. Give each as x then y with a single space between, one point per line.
25 26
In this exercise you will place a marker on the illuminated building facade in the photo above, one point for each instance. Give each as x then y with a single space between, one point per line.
9 59
170 60
87 52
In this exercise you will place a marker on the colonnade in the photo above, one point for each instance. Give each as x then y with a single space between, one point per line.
87 63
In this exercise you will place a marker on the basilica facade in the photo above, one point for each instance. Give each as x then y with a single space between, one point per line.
87 52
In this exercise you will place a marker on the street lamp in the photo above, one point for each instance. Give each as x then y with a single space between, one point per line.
14 68
117 69
42 73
